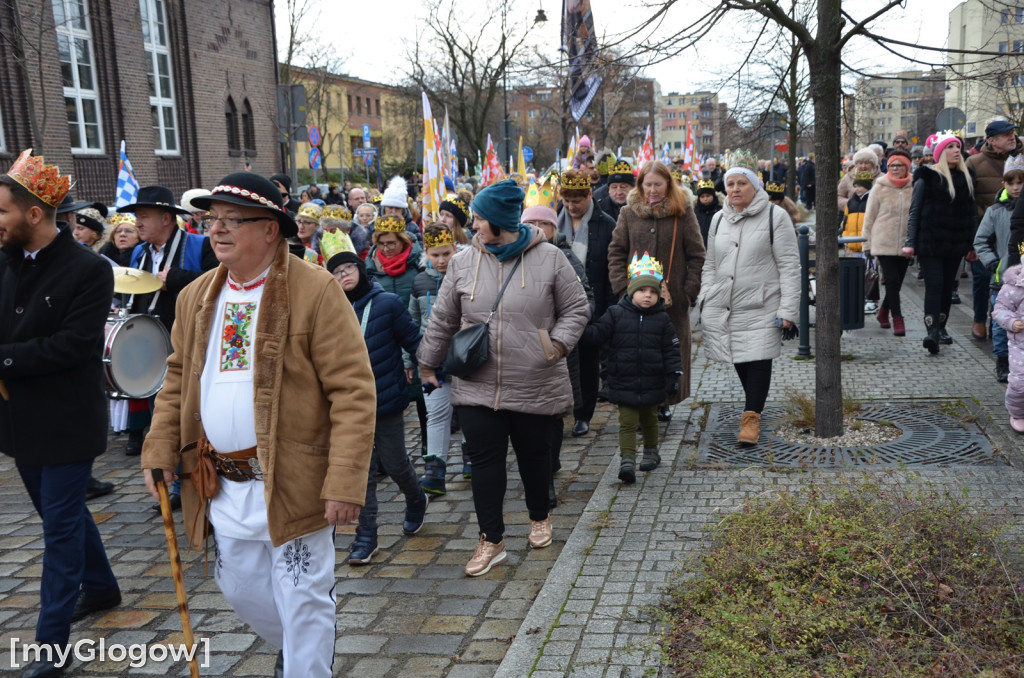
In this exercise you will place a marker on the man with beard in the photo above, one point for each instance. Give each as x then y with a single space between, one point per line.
54 298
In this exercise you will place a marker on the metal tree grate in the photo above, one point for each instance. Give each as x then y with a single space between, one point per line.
930 438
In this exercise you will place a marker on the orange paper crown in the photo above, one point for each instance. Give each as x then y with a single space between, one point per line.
442 239
41 180
389 225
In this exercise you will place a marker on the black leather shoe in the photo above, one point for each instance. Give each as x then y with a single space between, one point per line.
175 502
133 447
97 602
279 665
580 428
43 669
97 488
664 414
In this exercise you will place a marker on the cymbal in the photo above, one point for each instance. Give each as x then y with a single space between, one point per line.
135 281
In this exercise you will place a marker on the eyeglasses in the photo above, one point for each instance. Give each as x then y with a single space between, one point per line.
342 271
389 245
230 223
901 142
126 231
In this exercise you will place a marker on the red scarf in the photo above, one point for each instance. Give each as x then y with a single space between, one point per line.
395 266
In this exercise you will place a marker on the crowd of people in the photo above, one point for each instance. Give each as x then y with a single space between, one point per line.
505 318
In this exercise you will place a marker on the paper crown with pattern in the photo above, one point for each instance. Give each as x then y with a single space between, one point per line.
455 201
335 243
118 218
1014 162
542 192
389 225
442 239
310 210
581 182
337 212
867 175
772 187
622 167
743 160
677 175
705 183
645 266
377 198
606 166
41 180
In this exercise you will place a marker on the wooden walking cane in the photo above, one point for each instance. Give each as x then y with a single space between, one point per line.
176 570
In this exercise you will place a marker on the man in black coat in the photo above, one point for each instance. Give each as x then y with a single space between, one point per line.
612 196
805 175
54 299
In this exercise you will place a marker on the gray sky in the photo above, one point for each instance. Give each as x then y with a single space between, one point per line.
376 53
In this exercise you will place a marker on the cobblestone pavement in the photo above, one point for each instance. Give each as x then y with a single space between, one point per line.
575 608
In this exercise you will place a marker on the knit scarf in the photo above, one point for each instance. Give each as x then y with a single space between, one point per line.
396 265
898 183
513 249
579 238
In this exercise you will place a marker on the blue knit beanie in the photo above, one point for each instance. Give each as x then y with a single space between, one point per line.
500 204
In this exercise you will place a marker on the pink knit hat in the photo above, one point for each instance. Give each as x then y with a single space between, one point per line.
938 142
539 213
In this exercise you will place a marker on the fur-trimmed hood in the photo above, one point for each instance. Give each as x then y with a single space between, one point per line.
659 211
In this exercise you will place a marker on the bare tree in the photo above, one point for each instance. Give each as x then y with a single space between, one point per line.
28 30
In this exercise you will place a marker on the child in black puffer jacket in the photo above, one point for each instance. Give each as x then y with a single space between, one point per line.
643 361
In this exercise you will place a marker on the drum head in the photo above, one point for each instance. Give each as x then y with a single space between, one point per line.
138 347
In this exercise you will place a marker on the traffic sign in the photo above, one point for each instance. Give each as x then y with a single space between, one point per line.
366 135
950 118
314 158
314 136
364 151
527 154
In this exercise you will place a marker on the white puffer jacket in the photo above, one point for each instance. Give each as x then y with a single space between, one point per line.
747 282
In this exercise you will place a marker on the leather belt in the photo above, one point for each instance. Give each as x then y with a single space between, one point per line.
239 467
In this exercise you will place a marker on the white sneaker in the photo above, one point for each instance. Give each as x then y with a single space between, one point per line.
871 307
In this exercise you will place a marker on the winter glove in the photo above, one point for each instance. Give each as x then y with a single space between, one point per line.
673 384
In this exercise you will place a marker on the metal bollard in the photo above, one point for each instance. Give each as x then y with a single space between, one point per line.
804 349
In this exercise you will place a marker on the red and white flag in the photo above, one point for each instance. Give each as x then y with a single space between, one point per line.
492 166
646 150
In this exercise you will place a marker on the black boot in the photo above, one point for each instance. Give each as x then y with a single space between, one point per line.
944 337
1002 368
931 340
133 447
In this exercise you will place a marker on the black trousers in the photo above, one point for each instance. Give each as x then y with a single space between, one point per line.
940 275
894 270
590 380
488 433
756 378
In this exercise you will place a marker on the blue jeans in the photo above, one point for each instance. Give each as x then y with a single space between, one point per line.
389 453
1000 347
73 557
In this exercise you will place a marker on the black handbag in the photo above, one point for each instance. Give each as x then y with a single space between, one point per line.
469 348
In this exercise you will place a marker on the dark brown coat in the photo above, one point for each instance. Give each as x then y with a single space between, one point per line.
645 228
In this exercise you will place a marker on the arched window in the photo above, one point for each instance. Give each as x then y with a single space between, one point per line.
248 128
231 121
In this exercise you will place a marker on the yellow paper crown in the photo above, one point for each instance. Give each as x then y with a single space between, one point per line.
442 239
389 225
377 198
864 176
455 201
544 193
339 212
581 182
647 266
773 187
606 166
310 210
705 183
118 218
41 180
677 175
335 243
621 167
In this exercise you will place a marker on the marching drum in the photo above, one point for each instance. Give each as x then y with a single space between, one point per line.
135 355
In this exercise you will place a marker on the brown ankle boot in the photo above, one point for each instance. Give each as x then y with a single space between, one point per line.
750 428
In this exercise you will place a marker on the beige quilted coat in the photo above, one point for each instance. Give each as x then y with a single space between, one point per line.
544 302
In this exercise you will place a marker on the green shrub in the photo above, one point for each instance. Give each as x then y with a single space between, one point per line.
855 578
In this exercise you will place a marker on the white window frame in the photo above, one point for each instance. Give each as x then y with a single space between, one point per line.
73 10
154 13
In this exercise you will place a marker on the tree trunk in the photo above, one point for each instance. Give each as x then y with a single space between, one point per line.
824 60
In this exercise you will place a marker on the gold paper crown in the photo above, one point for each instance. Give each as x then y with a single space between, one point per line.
335 243
646 265
442 239
772 187
544 192
456 201
339 212
389 225
864 176
677 175
41 180
310 210
705 183
118 218
622 167
580 182
377 198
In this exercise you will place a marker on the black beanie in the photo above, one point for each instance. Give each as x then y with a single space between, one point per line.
284 180
364 285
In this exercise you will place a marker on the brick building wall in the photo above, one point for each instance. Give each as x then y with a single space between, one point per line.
216 49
